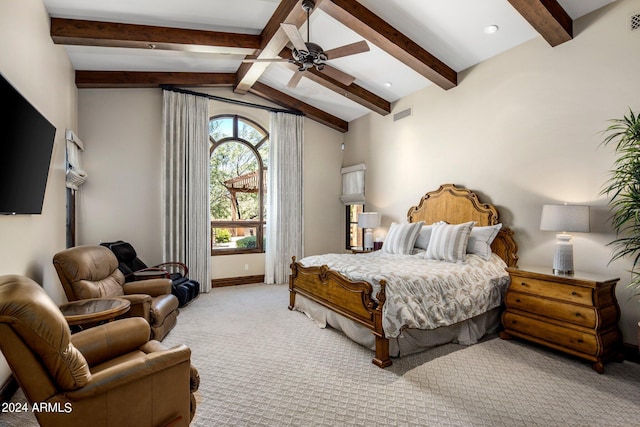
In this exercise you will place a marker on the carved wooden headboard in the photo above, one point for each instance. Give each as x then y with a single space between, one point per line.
456 205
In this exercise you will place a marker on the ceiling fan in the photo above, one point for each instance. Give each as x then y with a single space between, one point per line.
308 55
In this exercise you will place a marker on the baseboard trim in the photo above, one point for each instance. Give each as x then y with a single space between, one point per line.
234 281
8 389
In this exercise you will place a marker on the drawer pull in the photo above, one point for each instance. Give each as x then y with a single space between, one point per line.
523 284
574 293
518 300
580 341
578 314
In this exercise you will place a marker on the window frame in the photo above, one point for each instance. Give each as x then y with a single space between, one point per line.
259 224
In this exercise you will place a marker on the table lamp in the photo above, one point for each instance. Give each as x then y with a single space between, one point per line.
368 221
564 218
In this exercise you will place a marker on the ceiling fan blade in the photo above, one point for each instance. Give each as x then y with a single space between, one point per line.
294 35
341 76
250 60
346 50
295 79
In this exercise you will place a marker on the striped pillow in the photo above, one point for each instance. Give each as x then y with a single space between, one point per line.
449 242
401 238
424 235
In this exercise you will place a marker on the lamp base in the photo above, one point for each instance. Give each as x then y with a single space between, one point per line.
368 239
563 256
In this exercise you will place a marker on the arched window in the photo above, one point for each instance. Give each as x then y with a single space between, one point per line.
238 155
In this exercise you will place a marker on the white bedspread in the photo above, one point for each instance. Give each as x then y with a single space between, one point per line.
422 293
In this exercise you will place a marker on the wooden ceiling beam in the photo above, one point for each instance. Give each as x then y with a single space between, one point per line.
273 40
548 18
144 79
353 92
111 34
354 15
279 98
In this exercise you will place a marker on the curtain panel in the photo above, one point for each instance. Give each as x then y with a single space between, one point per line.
186 221
285 196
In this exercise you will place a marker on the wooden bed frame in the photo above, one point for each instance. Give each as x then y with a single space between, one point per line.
354 299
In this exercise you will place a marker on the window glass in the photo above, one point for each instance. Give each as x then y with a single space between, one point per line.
237 184
353 233
221 128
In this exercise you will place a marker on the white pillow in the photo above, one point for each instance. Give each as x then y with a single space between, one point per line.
449 242
401 238
424 235
480 240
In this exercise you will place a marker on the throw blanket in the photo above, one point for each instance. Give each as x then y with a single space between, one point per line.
423 293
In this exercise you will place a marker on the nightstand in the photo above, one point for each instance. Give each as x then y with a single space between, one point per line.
575 314
362 251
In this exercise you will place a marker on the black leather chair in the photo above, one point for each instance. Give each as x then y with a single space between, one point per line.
133 268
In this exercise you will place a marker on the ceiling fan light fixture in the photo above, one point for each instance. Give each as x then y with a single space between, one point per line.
306 55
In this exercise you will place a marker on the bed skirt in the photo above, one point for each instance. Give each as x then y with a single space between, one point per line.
411 340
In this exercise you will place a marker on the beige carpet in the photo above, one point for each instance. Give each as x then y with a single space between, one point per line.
263 365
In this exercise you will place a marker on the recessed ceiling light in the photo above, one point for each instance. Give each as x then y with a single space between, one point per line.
388 84
491 29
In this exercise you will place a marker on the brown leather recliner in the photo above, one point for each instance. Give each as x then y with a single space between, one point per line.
107 376
92 272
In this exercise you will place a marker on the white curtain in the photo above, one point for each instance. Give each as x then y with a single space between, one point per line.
187 236
353 184
284 197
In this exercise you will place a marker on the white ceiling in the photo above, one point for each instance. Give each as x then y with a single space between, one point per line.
451 30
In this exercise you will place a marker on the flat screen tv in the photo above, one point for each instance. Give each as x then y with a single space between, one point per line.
26 143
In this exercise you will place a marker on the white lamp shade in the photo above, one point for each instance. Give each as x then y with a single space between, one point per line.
369 220
565 218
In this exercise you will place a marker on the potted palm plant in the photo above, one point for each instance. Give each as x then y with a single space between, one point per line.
623 191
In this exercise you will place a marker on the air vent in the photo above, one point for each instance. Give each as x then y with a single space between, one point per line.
402 114
635 21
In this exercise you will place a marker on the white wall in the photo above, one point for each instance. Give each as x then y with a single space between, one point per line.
523 129
122 132
42 73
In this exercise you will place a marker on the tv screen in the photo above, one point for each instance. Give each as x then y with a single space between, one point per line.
26 143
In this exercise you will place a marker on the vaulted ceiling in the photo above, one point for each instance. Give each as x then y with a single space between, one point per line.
205 43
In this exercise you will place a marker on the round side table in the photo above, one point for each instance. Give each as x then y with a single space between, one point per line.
94 310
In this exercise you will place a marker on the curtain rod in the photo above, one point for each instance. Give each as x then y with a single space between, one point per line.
232 101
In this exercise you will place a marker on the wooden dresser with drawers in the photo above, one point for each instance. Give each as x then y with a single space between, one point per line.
576 314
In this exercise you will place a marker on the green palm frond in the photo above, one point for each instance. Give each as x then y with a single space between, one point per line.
623 190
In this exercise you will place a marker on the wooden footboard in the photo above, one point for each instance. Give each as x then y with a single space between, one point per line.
352 299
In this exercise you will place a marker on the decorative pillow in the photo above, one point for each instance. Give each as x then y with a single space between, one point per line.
449 242
401 238
424 235
480 240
